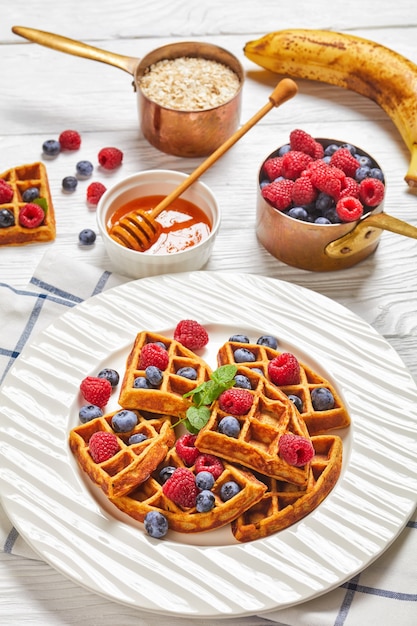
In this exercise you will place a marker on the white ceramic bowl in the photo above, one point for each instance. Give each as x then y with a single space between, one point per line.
156 182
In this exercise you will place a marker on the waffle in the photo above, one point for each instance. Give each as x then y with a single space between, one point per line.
149 497
168 398
257 446
21 178
284 504
318 422
133 463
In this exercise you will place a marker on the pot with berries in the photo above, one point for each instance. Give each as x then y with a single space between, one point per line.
320 204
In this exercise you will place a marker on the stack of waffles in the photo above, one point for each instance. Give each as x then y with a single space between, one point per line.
273 493
20 179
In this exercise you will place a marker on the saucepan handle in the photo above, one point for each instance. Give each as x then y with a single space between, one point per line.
77 48
366 232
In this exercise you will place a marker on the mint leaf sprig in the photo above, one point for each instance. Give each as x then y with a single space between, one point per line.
204 395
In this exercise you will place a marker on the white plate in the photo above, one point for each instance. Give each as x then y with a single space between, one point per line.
72 526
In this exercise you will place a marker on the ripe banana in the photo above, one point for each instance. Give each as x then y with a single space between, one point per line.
361 65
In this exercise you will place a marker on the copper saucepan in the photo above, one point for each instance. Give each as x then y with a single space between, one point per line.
181 133
319 247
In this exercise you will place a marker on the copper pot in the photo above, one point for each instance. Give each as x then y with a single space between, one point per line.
181 133
319 247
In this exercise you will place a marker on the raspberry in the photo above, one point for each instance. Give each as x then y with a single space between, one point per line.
153 354
181 487
349 209
31 215
295 450
70 140
351 188
96 390
278 193
186 449
94 192
236 401
303 191
103 446
6 192
273 167
191 334
110 158
284 369
345 161
303 142
209 463
326 181
294 163
371 191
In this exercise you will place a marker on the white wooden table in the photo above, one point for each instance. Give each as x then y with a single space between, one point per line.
44 92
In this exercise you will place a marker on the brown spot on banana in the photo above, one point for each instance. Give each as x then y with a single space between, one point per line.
350 62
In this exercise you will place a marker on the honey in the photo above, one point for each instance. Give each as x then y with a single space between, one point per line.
182 224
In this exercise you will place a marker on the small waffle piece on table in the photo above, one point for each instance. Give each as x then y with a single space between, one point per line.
20 179
149 496
284 504
168 397
132 464
271 415
317 422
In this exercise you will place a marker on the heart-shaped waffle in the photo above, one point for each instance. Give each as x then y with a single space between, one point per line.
20 179
168 397
149 496
271 415
131 464
284 504
317 421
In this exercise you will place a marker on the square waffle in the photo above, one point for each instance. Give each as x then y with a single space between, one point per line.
21 178
149 496
168 398
132 464
257 446
317 421
284 504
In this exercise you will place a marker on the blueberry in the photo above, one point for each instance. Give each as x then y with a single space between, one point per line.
239 338
229 490
154 375
332 216
137 438
242 382
297 401
258 370
362 173
188 372
229 426
264 183
89 412
204 480
350 147
87 237
322 399
364 160
123 421
324 202
156 524
377 173
284 149
51 147
204 501
30 194
268 340
322 220
111 375
166 472
141 383
298 213
331 149
6 218
84 169
242 355
69 183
